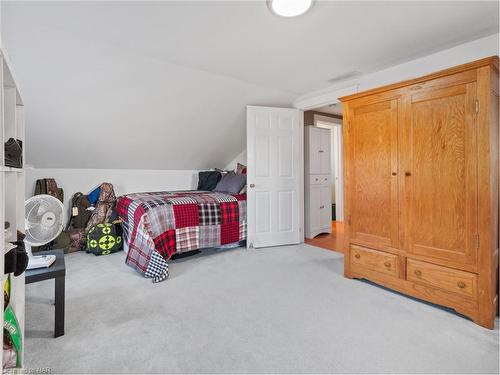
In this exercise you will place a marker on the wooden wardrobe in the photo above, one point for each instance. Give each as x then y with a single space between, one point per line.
421 188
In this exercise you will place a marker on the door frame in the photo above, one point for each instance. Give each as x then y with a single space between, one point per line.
339 209
337 152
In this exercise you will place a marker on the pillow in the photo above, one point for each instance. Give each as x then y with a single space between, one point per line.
208 180
241 169
231 183
223 171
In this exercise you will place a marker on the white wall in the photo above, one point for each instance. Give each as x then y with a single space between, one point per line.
123 180
91 103
448 58
241 158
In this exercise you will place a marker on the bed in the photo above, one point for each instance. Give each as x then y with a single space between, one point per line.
158 225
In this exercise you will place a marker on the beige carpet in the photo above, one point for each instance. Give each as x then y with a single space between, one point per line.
277 310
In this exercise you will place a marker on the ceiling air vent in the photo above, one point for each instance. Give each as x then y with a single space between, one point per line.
345 76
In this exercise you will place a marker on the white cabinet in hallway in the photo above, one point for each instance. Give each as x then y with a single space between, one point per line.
318 194
324 152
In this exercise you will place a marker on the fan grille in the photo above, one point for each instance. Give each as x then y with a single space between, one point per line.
44 219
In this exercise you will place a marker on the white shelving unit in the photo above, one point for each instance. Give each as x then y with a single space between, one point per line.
12 180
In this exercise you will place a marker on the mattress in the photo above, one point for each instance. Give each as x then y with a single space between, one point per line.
158 225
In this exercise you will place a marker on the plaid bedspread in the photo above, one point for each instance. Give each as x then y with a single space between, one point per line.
159 225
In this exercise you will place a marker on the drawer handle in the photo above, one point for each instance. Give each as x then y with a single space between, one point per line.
461 284
321 207
357 256
418 273
321 151
387 264
316 179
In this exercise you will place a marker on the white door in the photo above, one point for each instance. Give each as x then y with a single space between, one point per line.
275 176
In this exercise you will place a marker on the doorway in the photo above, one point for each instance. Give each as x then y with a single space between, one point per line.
330 117
337 180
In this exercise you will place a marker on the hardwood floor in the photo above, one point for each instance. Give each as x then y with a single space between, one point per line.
331 241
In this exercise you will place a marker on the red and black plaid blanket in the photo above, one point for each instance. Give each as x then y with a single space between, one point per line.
159 225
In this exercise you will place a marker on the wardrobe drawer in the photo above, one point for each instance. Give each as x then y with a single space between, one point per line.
449 279
374 260
319 179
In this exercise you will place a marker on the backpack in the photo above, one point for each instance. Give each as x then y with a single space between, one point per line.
73 238
104 208
79 215
49 186
104 239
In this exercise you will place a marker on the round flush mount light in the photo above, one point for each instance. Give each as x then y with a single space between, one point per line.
289 8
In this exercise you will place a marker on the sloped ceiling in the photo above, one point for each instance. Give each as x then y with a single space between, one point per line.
164 85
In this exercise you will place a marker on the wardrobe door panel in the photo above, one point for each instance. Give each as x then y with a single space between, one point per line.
373 183
440 174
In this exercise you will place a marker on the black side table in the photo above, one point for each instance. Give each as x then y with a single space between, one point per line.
56 271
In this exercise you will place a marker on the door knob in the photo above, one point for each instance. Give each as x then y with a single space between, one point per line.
252 185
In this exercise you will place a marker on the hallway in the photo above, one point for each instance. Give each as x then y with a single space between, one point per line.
329 241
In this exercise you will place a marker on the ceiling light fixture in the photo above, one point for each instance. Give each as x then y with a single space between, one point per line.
289 8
